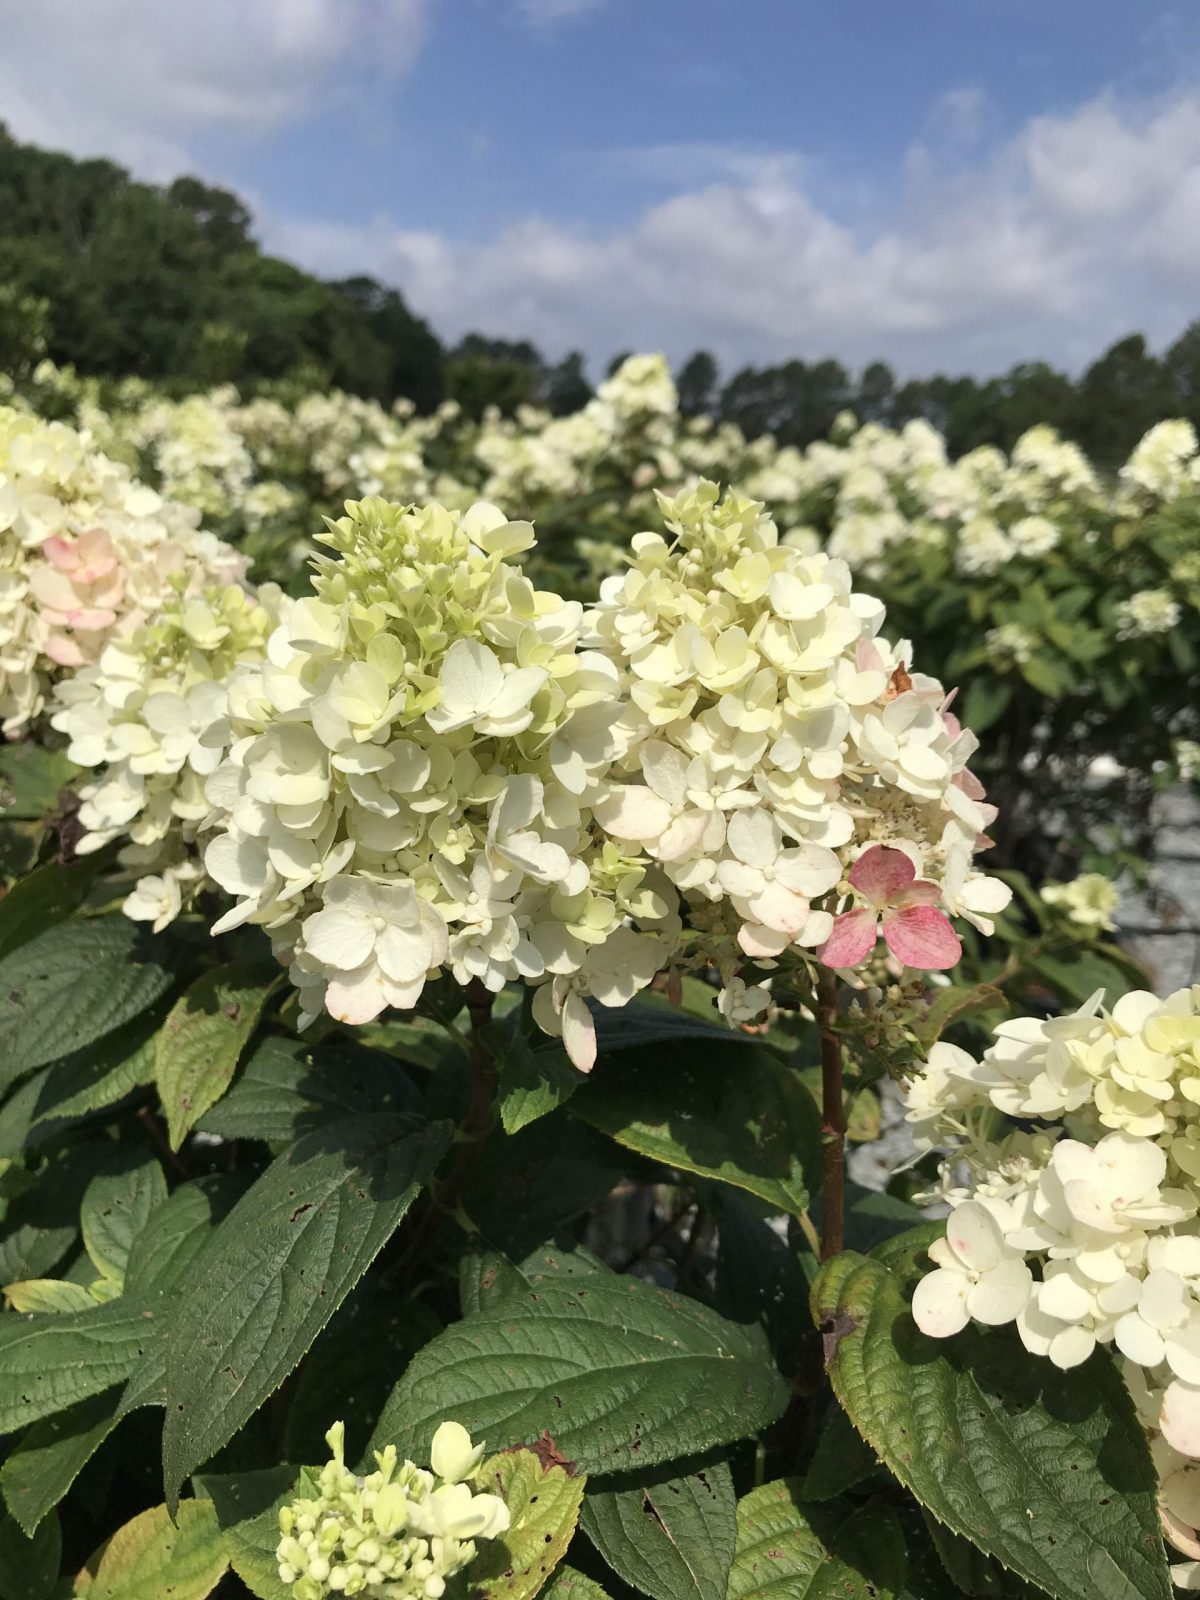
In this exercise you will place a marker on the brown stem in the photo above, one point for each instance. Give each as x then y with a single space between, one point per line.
833 1121
476 1124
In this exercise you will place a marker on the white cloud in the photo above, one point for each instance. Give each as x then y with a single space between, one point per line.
1080 228
135 79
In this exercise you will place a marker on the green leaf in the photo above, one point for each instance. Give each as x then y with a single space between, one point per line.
98 1076
781 1556
987 699
32 778
201 1041
623 1376
286 1088
47 1294
251 1534
671 1537
49 1362
649 1022
116 1207
153 1556
70 986
567 1584
163 1250
43 898
270 1276
725 1108
41 1219
841 1461
1046 1470
760 1278
524 1188
952 1004
29 1561
543 1500
536 1075
40 1469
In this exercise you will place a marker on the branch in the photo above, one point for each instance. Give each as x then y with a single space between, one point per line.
833 1121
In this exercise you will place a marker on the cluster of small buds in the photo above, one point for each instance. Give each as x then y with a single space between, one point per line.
396 1534
1081 1225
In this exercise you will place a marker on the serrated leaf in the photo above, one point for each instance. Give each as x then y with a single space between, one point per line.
286 1088
952 1004
526 1187
97 1077
41 1222
31 779
41 899
152 1557
29 1561
725 1108
47 1294
70 986
116 1207
567 1584
201 1041
49 1362
543 1502
536 1075
270 1276
781 1556
622 1375
672 1537
44 1464
252 1535
842 1459
1046 1470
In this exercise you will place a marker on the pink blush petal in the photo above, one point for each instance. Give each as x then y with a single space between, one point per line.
852 939
922 937
920 893
880 873
59 553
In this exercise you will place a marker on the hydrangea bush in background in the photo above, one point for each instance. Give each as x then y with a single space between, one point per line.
612 870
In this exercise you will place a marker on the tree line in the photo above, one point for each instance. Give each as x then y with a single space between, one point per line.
167 282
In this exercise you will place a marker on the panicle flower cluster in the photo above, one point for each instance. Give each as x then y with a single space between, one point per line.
87 555
1081 1225
144 715
775 757
1147 611
1089 901
396 1534
410 780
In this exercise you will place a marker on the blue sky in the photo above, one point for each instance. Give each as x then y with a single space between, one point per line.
945 183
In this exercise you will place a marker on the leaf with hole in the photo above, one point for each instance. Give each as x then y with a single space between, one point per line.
201 1041
1048 1471
672 1537
543 1501
154 1556
621 1374
272 1274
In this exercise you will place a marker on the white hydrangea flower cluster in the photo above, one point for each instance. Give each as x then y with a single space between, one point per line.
775 757
396 1534
1146 612
1081 1229
1090 901
410 782
1164 464
142 715
87 554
